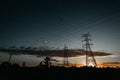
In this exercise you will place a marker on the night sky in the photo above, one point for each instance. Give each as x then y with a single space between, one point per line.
59 22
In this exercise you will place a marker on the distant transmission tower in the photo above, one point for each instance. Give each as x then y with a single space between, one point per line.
65 61
10 58
89 54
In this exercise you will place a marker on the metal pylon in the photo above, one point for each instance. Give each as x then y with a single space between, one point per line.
89 54
65 61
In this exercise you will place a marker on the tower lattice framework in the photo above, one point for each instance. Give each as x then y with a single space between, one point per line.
88 51
65 61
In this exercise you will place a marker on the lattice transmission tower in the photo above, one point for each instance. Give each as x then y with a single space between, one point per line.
65 60
89 54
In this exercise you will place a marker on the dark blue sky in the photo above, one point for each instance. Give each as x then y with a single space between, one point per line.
59 22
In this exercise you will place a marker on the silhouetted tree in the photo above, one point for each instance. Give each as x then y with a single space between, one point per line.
23 64
22 47
47 62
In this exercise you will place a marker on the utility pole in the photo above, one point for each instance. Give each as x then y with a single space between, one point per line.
89 54
65 61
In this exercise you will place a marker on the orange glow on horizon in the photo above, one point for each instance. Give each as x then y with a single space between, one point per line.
110 64
100 65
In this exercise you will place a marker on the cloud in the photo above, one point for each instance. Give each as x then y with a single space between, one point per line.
57 53
71 53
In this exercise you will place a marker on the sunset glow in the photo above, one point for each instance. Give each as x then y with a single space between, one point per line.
59 39
32 31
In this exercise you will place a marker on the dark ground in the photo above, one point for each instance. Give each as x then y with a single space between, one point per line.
15 72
